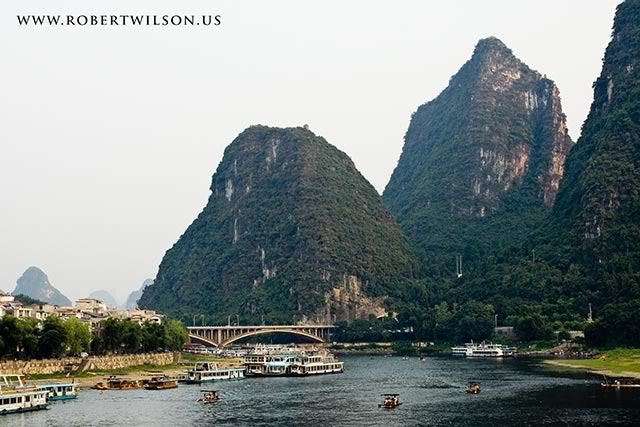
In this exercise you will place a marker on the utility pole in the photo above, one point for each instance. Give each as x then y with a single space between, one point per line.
229 320
534 255
495 321
203 320
194 320
237 319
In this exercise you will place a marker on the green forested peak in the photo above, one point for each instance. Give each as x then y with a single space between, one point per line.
291 232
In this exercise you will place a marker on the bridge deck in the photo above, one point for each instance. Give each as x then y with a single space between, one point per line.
222 336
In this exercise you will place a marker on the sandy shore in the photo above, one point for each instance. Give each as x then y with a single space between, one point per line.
568 364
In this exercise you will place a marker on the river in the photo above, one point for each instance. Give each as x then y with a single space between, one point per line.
514 392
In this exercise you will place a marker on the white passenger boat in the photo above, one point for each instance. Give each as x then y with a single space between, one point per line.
462 350
482 350
16 396
204 372
317 364
301 363
64 391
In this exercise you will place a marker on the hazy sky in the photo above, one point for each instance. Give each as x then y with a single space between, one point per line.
110 135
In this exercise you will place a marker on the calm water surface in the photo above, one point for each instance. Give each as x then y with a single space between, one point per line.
514 392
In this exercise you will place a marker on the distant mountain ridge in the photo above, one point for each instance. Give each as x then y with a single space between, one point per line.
34 283
132 299
106 297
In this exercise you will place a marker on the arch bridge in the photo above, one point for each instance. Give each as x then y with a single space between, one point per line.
222 336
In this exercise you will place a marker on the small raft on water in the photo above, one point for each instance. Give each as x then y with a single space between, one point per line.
390 401
474 388
209 396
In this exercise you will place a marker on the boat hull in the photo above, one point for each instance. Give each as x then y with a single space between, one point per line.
67 397
165 386
209 380
20 410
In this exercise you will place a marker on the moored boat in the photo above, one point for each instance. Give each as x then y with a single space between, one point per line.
62 391
298 364
16 396
209 371
482 350
620 383
316 364
115 383
161 383
462 350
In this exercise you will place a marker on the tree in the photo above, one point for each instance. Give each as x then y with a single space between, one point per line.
533 327
28 330
474 321
131 336
10 335
112 334
175 334
53 338
78 336
153 336
18 337
617 324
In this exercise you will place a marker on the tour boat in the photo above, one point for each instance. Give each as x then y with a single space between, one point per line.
316 364
64 391
16 396
277 366
269 359
482 350
462 350
298 365
161 383
114 383
209 371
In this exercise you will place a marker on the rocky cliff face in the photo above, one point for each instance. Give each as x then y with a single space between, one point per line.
490 147
598 208
35 284
291 232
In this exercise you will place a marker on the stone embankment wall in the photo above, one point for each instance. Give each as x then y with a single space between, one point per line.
77 364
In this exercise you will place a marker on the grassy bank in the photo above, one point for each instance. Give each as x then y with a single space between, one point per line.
620 362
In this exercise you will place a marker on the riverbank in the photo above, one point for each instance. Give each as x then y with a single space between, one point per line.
613 363
136 372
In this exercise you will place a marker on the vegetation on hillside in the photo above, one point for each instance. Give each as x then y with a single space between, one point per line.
540 269
289 219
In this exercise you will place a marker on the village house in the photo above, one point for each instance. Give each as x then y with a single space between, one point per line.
88 310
